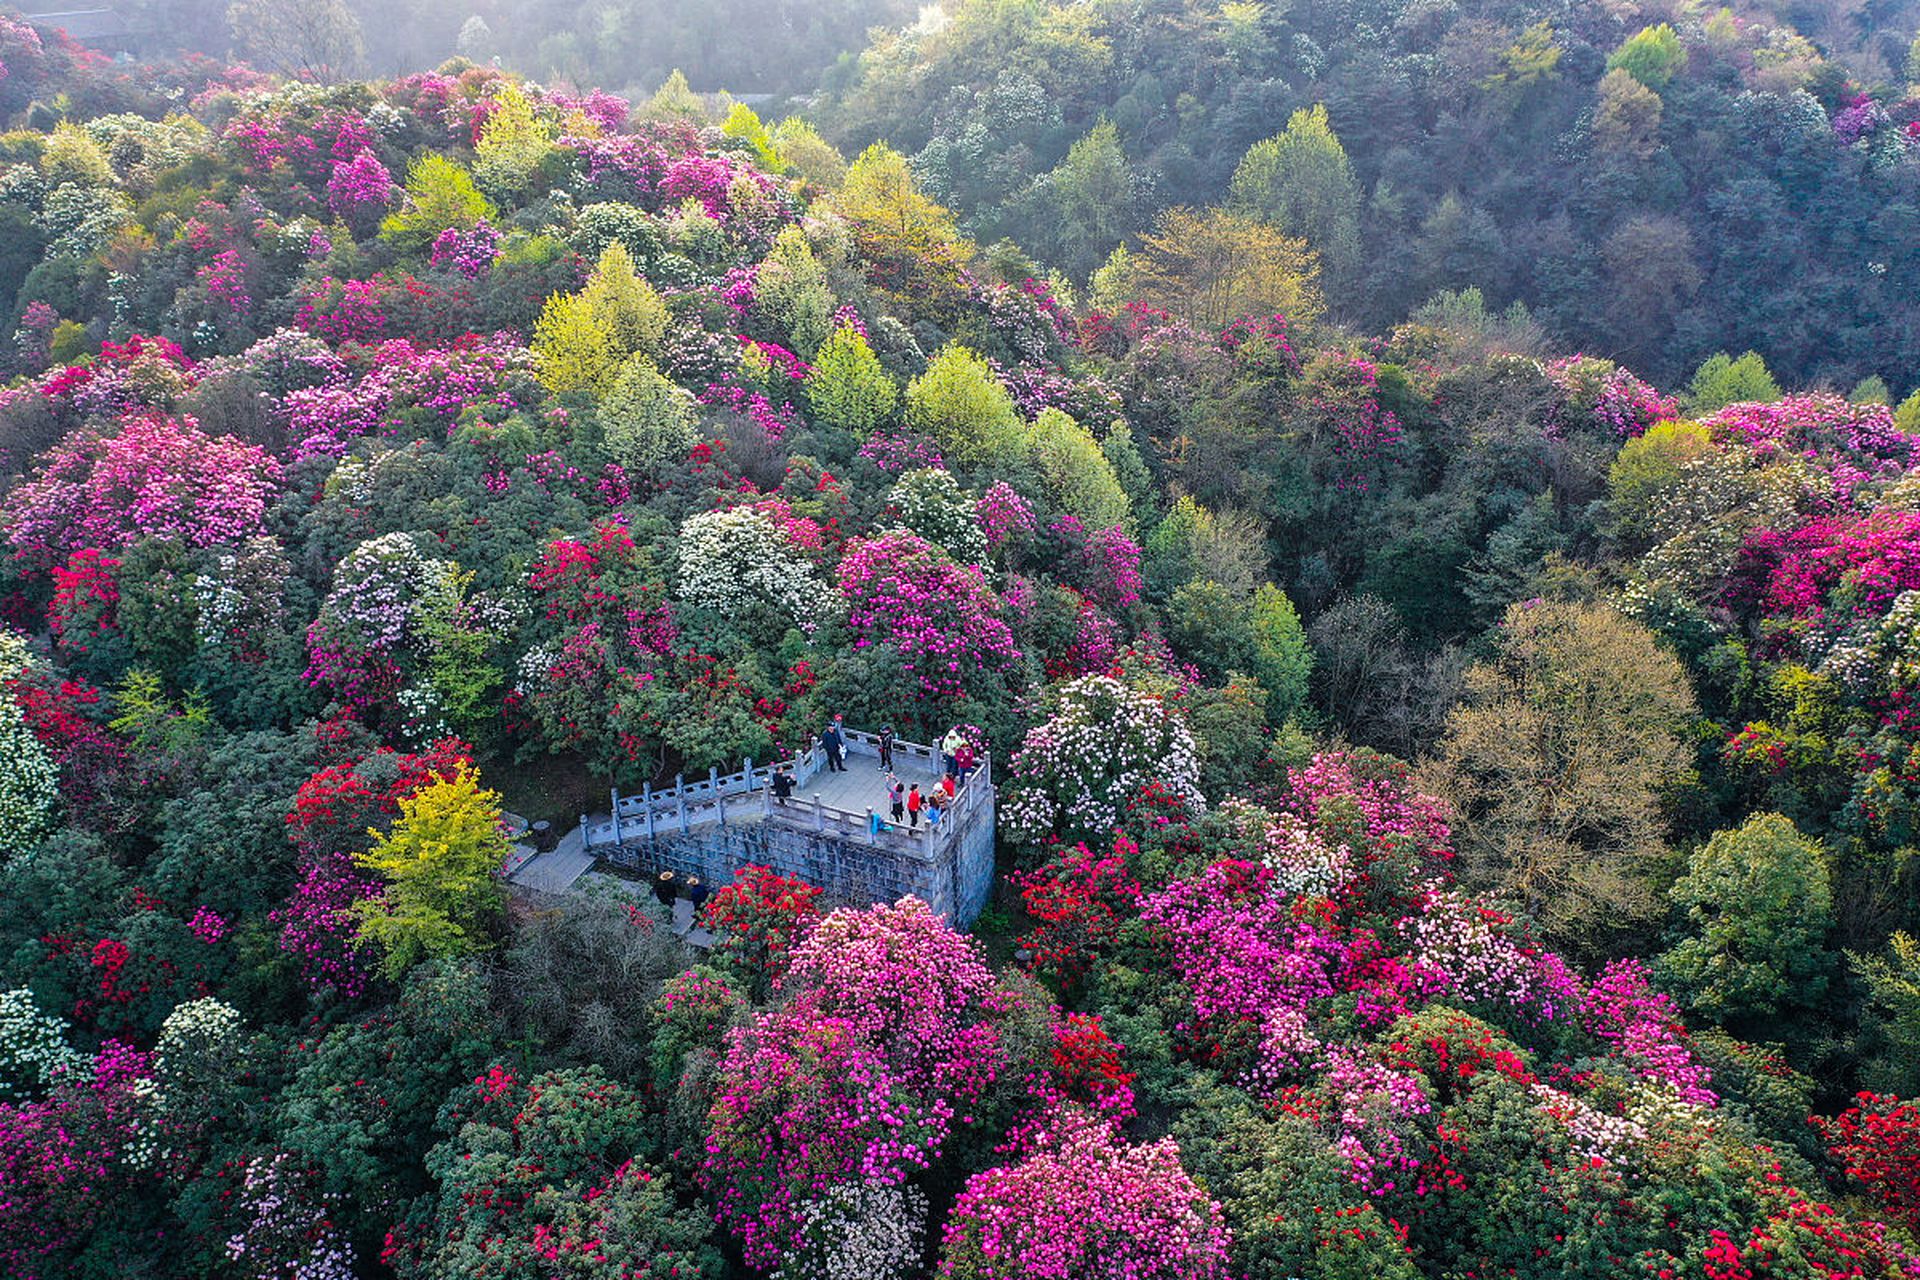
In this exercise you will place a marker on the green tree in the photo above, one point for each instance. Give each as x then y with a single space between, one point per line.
1757 907
909 240
1282 658
847 386
440 863
512 144
1889 1046
1093 198
1301 182
809 154
742 125
440 194
1653 56
963 408
1872 389
1722 380
648 422
1645 471
1907 416
1080 481
1556 762
791 290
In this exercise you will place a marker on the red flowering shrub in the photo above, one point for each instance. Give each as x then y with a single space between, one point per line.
1878 1142
1078 903
763 915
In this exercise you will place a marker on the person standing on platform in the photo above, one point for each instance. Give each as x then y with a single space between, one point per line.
834 747
886 748
915 802
897 798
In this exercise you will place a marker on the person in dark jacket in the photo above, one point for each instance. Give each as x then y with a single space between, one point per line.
782 785
886 748
835 747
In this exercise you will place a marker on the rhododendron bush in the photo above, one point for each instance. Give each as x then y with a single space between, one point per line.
1100 747
154 476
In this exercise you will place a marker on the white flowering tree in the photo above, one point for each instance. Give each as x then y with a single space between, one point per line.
738 560
29 778
33 1047
1100 746
868 1230
931 503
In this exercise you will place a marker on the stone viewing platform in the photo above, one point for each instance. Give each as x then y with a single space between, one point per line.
835 832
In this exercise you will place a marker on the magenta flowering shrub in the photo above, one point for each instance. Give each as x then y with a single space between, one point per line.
888 1045
225 282
470 251
940 615
65 1161
1854 441
358 186
1378 791
802 1103
153 477
318 927
1796 572
1083 1203
1597 392
1005 518
1643 1026
896 454
907 982
1237 947
1341 410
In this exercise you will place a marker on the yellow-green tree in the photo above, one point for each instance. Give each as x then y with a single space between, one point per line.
1556 761
1211 267
512 144
809 154
847 387
440 194
963 408
625 305
582 339
1079 479
571 351
440 864
910 241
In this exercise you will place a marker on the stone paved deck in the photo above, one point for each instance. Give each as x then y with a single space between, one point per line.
864 786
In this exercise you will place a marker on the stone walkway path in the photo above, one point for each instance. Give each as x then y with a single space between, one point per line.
555 872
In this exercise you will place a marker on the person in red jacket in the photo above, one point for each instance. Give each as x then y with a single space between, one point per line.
915 801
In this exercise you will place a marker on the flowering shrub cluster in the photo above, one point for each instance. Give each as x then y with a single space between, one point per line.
939 614
153 477
1100 747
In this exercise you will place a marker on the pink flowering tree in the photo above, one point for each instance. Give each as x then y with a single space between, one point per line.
154 477
888 1049
1083 1203
938 614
